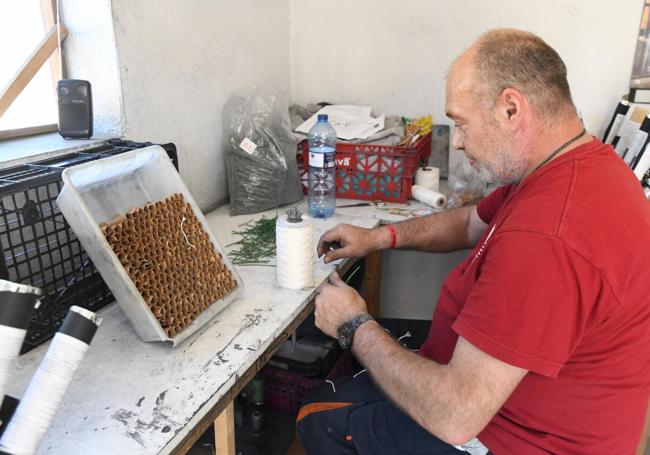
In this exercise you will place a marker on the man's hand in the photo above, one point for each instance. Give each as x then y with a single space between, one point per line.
354 242
336 303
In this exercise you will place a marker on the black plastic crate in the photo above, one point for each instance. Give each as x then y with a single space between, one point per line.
39 247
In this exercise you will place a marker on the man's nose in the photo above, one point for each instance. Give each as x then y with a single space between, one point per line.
457 141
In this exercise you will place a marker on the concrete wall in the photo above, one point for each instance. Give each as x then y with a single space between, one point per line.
394 55
90 54
179 61
411 282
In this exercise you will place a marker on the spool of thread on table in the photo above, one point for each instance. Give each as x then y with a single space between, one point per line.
294 239
428 177
17 302
429 197
50 382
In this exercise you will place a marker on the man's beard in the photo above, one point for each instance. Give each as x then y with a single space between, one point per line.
505 168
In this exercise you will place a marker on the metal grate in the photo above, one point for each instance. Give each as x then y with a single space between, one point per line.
38 246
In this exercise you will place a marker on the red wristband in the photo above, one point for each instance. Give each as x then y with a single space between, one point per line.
393 235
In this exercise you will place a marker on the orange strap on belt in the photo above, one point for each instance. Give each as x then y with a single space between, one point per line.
319 407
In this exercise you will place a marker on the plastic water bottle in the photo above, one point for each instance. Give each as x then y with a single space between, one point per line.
322 169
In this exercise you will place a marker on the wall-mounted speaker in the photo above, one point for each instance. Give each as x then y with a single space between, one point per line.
75 108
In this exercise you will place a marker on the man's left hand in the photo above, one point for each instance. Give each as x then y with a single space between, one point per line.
336 303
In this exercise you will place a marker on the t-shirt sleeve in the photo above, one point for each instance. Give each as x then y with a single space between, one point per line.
490 204
531 302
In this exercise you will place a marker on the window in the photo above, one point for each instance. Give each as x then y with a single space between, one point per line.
30 67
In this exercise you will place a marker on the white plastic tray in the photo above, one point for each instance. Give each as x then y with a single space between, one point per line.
101 190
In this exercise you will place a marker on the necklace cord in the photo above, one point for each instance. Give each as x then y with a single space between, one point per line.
560 148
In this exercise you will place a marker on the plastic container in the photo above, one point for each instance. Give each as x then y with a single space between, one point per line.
98 192
307 357
37 246
376 172
284 390
322 173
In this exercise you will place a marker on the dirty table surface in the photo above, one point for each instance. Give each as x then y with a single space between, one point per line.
129 396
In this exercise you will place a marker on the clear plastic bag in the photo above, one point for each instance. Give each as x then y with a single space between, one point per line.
465 185
260 152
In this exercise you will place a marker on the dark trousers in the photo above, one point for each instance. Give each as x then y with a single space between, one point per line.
359 419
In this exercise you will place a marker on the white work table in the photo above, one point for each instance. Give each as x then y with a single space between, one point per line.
129 396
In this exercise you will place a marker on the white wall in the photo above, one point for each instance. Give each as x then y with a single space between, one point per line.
394 54
90 54
162 69
179 61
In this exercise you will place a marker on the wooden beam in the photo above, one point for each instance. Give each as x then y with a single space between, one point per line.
224 431
49 20
30 68
29 131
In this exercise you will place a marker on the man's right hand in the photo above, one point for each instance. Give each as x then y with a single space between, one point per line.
354 242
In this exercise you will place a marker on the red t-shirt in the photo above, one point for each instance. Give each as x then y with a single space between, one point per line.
560 285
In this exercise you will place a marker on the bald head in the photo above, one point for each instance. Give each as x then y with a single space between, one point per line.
508 58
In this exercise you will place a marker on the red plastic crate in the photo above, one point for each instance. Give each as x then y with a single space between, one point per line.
374 172
285 390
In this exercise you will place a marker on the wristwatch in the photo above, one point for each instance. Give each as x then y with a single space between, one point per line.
345 332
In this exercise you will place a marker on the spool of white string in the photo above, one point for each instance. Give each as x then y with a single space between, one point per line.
428 177
17 302
48 386
11 339
295 252
429 197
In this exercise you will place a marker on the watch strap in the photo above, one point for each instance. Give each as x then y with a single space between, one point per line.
346 331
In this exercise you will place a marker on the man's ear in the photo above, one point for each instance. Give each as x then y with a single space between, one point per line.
509 107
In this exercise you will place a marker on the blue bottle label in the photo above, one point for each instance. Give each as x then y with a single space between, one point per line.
322 160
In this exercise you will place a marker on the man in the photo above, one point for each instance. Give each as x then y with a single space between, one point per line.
540 342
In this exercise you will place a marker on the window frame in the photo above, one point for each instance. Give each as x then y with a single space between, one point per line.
50 45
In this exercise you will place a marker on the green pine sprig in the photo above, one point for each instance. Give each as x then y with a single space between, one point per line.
257 244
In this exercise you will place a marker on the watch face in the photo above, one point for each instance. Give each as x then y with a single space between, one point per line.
344 335
345 332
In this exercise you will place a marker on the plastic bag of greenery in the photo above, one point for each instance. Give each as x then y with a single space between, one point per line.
260 152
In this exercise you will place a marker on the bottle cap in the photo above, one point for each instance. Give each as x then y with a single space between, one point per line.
322 117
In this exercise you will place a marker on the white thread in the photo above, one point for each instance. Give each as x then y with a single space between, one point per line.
295 253
11 339
406 335
362 371
429 197
183 232
45 392
480 250
332 384
428 177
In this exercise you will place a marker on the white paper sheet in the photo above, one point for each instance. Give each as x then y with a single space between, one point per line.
349 121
